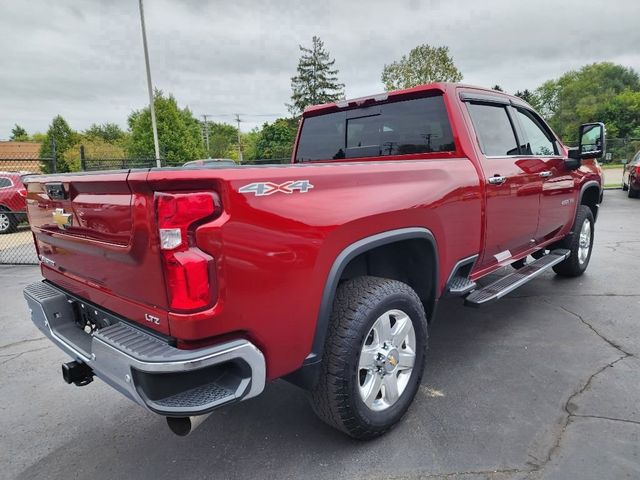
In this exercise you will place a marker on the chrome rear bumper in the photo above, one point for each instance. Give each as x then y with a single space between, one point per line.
145 368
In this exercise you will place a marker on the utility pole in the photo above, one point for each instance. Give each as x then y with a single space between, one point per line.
206 135
240 159
154 126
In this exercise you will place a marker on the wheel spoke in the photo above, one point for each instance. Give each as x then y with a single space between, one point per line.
373 386
390 383
368 357
400 330
382 326
407 359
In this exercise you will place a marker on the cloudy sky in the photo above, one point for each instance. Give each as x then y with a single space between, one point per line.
84 60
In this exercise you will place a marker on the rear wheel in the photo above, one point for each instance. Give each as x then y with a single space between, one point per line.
374 357
8 222
632 192
580 243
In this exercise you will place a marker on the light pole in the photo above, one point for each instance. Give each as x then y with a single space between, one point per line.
240 159
154 126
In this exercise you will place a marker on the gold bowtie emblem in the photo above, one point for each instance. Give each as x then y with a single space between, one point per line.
62 219
393 361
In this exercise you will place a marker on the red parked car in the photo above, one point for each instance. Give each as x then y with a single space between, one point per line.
631 177
12 201
203 284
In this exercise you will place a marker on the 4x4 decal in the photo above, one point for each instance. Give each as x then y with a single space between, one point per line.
260 189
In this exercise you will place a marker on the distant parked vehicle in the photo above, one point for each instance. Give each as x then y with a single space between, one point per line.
12 201
631 177
211 162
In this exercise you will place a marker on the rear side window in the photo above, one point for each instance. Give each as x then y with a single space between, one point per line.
494 130
5 182
411 126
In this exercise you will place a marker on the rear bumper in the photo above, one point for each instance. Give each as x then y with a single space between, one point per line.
145 368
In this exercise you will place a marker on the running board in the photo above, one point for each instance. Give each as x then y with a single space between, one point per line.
509 283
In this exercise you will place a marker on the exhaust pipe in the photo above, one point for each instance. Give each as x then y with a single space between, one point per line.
183 426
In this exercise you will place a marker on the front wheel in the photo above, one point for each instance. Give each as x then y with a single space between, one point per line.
374 357
580 244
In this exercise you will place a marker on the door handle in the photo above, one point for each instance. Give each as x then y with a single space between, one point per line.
545 174
497 180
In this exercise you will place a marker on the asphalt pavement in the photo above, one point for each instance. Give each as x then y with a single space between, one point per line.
543 384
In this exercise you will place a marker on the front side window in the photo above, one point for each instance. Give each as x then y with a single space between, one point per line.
537 141
411 126
493 129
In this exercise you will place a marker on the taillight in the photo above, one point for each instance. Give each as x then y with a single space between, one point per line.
22 192
189 271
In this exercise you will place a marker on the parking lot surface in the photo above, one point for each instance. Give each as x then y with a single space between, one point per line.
543 384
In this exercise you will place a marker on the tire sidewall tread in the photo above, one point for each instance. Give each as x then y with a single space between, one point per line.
336 399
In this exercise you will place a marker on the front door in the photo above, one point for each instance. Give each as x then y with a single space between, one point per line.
557 200
512 186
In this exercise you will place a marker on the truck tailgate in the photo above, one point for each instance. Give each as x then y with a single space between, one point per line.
95 237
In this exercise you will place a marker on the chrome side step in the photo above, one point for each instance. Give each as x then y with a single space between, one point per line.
509 283
459 286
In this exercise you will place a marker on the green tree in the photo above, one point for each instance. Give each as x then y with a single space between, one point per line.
424 64
594 92
109 132
317 79
222 139
528 96
276 139
19 134
498 88
62 137
250 144
179 133
38 137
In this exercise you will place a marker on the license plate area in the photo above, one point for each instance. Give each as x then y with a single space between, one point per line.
90 318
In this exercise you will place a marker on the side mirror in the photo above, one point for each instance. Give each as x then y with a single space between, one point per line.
592 137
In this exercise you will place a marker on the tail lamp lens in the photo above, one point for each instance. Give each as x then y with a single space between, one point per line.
22 192
189 271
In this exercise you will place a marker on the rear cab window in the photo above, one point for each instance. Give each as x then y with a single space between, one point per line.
414 126
5 182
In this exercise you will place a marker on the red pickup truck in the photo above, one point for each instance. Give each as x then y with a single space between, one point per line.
189 289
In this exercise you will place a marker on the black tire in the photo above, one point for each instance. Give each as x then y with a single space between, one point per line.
625 187
518 264
539 254
632 192
8 221
573 266
336 399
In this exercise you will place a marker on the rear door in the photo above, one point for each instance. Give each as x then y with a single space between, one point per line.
512 183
